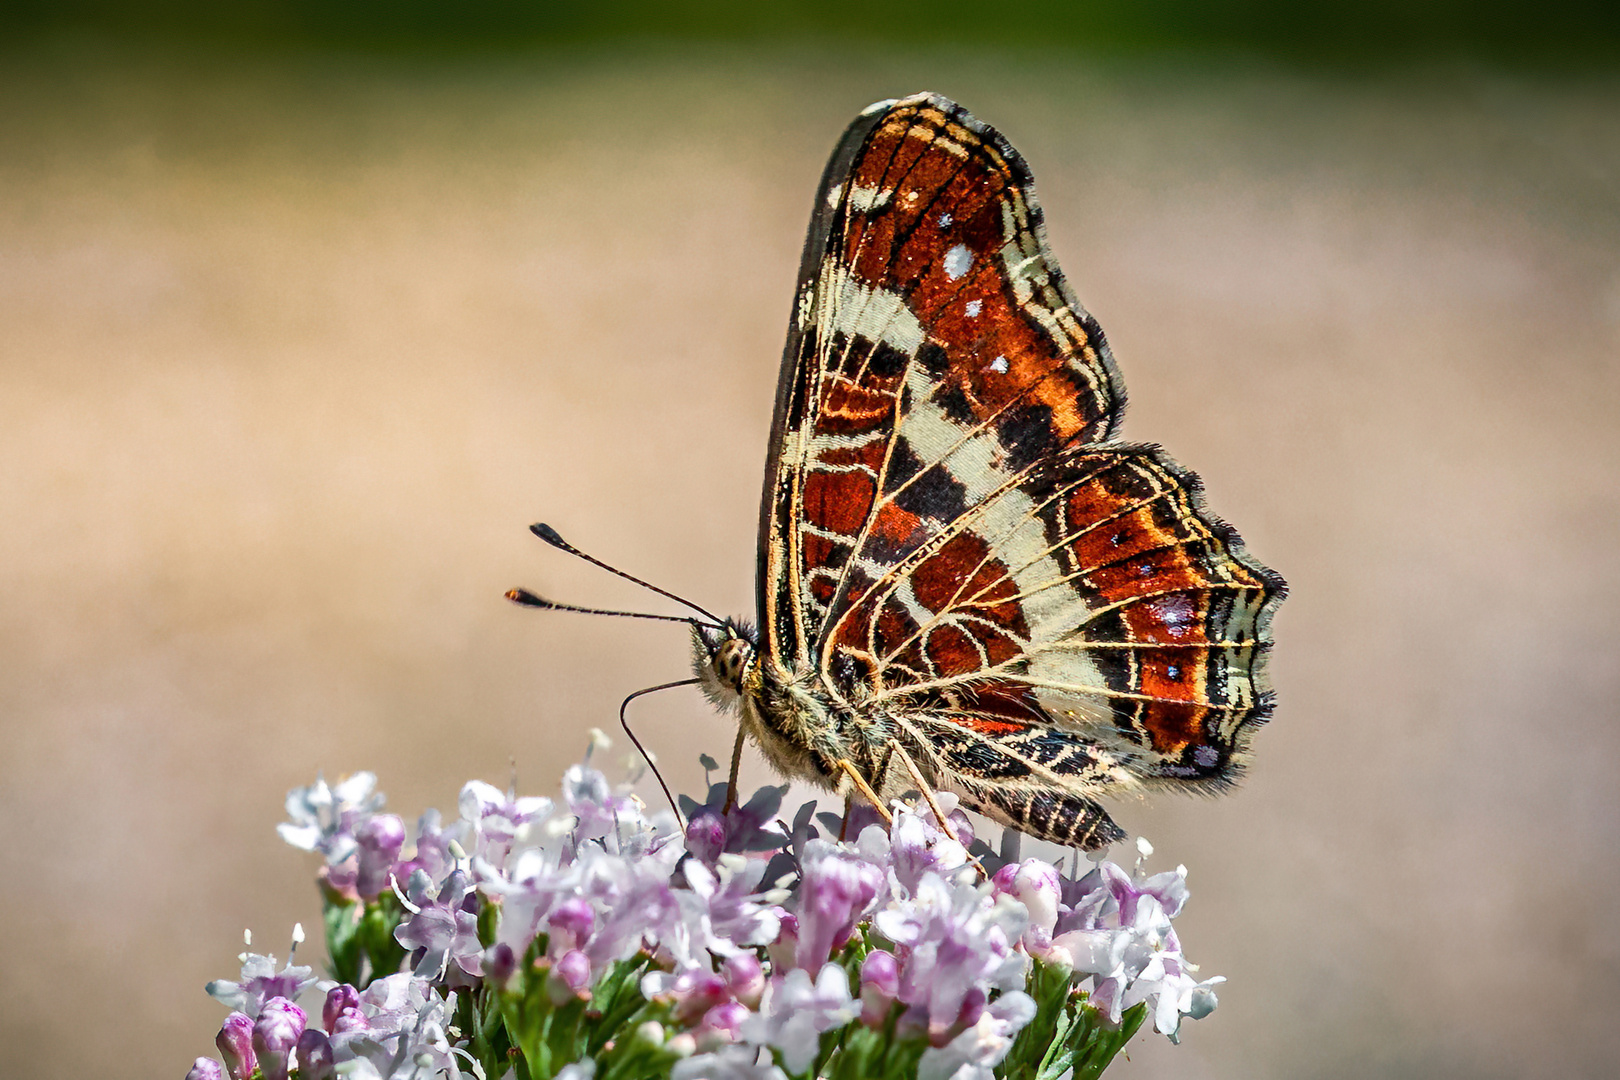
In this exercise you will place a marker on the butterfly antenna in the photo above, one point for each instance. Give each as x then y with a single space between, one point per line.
550 536
624 722
528 599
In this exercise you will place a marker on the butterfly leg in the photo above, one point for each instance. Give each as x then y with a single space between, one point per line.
927 792
933 804
736 765
865 789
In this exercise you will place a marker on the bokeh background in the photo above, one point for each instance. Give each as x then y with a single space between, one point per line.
308 309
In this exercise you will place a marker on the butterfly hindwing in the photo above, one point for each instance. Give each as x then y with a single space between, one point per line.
952 547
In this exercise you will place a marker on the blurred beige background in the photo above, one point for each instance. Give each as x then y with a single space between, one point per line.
293 349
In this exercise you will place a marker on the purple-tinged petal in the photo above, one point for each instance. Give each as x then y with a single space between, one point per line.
836 892
881 971
441 927
379 839
706 836
880 983
745 978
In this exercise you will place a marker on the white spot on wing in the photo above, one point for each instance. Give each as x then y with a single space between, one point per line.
999 365
974 307
957 261
869 198
1175 612
945 220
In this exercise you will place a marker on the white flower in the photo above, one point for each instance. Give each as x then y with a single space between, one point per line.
794 1012
323 817
260 982
738 1061
973 1054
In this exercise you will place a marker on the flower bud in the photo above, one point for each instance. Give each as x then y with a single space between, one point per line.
206 1069
337 880
880 982
696 992
275 1034
881 971
235 1042
745 978
1036 885
315 1057
350 1020
782 950
570 976
723 1023
499 964
573 920
379 839
340 997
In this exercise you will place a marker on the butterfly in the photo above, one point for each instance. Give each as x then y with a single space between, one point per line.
965 582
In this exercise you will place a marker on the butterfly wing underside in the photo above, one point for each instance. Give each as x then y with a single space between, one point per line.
951 541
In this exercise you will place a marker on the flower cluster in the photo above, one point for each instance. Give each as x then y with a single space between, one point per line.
592 939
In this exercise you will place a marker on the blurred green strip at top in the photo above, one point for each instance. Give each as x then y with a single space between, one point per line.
1368 28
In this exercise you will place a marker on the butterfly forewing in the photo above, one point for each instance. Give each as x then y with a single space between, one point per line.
950 542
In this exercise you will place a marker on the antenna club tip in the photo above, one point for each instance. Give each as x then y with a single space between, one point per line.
526 598
550 535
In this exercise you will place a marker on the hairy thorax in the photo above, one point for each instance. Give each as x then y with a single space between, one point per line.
792 720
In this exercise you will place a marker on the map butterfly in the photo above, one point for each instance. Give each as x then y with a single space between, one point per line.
965 582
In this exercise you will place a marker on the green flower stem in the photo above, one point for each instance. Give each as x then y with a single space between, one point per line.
1067 1031
552 1030
1096 1041
342 923
376 934
478 1016
632 1057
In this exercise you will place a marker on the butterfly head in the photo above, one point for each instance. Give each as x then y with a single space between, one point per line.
722 657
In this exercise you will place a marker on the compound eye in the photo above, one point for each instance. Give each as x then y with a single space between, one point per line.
729 661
